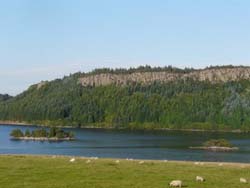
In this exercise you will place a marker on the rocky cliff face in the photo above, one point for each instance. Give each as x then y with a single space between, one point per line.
214 75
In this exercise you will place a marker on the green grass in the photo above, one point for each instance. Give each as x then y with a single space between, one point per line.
48 172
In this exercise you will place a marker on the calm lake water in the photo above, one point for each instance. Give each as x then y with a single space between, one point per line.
170 145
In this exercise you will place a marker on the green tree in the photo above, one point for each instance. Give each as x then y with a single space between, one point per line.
27 133
16 133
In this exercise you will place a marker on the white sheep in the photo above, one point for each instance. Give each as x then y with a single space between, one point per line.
88 161
72 160
141 162
199 178
243 180
176 183
117 161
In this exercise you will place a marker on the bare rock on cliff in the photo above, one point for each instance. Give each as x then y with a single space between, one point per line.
214 75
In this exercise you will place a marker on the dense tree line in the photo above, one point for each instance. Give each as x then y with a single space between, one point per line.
148 68
179 105
145 68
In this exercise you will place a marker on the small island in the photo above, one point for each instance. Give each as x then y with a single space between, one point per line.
54 134
216 145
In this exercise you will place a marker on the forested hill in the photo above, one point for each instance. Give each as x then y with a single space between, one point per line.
215 98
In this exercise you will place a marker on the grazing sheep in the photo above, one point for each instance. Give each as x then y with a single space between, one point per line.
199 178
220 164
243 180
176 183
141 162
72 160
199 163
117 161
88 161
165 161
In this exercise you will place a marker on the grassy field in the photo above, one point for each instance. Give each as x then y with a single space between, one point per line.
58 172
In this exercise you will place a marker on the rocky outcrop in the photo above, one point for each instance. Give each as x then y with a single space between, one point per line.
41 84
214 75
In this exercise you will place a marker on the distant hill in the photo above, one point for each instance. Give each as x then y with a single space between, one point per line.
215 98
4 97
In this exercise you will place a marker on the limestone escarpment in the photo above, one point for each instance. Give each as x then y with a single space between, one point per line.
213 75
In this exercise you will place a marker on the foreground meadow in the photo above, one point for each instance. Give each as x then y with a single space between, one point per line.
57 172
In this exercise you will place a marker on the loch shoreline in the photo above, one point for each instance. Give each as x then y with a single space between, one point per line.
196 163
17 123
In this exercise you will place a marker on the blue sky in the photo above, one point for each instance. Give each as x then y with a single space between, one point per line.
46 39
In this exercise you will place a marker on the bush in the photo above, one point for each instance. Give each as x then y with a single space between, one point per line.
16 133
60 133
71 134
39 133
218 143
52 132
27 133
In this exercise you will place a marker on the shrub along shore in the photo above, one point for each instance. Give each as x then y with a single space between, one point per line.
217 145
53 134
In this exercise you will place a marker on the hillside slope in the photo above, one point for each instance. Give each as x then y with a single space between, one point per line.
215 98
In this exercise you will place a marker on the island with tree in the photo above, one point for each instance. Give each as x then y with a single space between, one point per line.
216 145
53 134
